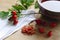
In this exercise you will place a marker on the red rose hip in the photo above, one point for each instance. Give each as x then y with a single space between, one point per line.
44 23
28 30
24 29
38 21
53 24
15 22
49 34
14 13
14 17
41 30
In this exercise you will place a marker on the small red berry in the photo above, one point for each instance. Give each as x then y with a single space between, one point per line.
15 22
49 34
44 23
23 30
14 13
33 32
38 21
41 30
14 17
28 29
53 24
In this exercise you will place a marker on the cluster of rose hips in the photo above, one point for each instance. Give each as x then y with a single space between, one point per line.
42 30
14 17
44 23
31 30
28 30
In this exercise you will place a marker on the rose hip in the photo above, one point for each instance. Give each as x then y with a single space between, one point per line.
49 34
14 17
15 22
28 30
38 21
53 24
44 23
33 32
24 29
41 30
14 13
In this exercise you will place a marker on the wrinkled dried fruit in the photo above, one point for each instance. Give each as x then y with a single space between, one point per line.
38 21
24 29
53 24
44 23
28 30
41 30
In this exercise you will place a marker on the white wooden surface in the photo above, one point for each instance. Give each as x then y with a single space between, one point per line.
5 4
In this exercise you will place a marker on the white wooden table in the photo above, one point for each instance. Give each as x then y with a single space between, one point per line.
5 4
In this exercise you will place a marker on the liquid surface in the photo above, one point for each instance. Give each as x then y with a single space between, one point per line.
52 5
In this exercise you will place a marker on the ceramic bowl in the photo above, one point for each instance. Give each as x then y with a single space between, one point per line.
49 13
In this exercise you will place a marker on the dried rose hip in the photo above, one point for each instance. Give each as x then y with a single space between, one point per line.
44 23
41 30
49 34
24 29
14 13
53 24
28 30
38 21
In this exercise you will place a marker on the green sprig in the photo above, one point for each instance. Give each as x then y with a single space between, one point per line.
4 14
36 5
23 5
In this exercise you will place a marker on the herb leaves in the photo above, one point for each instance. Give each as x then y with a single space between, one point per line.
24 4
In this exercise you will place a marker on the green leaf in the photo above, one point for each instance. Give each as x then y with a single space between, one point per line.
4 14
1 14
36 5
26 3
30 1
23 1
18 7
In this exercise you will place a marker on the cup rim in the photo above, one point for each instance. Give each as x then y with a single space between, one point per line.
46 8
